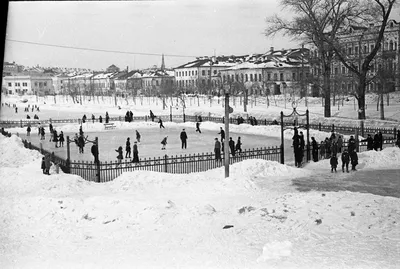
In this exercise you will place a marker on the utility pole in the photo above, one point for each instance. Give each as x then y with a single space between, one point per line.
226 141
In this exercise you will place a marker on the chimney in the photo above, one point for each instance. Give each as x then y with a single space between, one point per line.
271 49
127 69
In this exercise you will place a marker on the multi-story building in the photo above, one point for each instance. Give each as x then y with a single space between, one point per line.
357 42
157 81
58 83
37 85
11 69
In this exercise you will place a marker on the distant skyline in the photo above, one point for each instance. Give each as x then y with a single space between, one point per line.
186 28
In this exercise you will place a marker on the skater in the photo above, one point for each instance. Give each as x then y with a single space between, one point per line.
184 138
380 139
376 142
217 150
128 148
161 123
164 142
55 138
93 118
135 153
345 160
28 130
42 133
47 164
239 145
107 117
339 144
333 162
222 133
314 145
152 116
81 143
100 119
61 139
353 160
95 152
198 127
232 146
120 154
137 136
84 118
51 131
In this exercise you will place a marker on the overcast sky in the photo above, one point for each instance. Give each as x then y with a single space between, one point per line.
187 28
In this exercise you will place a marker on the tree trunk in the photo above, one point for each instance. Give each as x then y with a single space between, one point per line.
327 94
361 97
382 107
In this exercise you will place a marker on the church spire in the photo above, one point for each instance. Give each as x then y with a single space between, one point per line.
162 63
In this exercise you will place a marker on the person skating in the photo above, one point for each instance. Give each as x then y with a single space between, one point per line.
137 136
61 139
81 143
376 142
84 118
107 117
352 144
93 118
333 162
222 133
164 142
297 148
135 153
152 116
100 119
183 138
345 160
161 123
198 127
128 148
232 146
55 138
43 165
42 133
28 130
120 154
51 131
239 145
217 150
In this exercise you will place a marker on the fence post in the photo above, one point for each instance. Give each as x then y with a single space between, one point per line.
357 142
96 140
362 128
319 126
165 163
333 128
184 117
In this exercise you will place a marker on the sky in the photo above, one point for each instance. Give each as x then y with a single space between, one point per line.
192 28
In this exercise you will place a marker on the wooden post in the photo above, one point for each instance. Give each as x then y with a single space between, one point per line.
68 156
165 163
362 128
96 141
357 142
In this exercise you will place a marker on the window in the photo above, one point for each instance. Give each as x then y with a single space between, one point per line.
343 70
24 84
215 72
185 73
293 76
251 77
196 73
259 77
237 77
275 76
9 84
281 76
349 51
208 72
391 45
157 83
355 50
255 77
268 76
372 47
247 77
336 70
203 73
45 84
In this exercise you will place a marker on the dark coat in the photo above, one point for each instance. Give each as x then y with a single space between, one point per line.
345 157
120 155
183 136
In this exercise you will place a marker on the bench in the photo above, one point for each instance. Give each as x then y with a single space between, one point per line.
109 126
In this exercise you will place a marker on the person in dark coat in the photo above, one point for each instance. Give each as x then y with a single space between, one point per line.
93 118
222 133
100 119
239 145
161 123
43 166
398 138
345 160
137 136
353 160
84 118
81 143
164 142
376 141
380 137
61 139
198 127
184 138
128 148
51 131
107 117
95 152
217 150
42 133
47 163
333 162
232 146
339 144
370 142
297 148
302 145
200 119
135 153
152 116
120 154
352 144
314 146
322 150
80 130
55 137
28 130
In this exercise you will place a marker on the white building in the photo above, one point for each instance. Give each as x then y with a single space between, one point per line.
37 85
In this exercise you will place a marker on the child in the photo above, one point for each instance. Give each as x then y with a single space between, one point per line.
354 160
345 160
164 142
120 154
334 163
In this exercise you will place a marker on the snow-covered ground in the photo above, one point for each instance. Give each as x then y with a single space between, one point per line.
256 218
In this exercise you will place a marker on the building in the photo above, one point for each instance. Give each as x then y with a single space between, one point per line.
157 82
11 69
357 42
30 85
112 69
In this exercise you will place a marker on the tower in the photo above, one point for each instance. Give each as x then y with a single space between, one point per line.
162 63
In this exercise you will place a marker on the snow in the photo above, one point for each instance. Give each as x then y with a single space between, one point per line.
147 219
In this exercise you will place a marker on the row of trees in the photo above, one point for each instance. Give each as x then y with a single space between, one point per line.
318 22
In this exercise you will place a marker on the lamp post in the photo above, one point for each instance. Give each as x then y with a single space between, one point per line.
226 141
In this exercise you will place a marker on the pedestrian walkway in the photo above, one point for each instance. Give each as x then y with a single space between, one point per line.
379 182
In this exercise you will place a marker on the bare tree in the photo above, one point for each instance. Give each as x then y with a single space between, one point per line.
316 22
378 12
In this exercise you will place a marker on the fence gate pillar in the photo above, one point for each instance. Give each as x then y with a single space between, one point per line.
362 128
165 163
394 133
